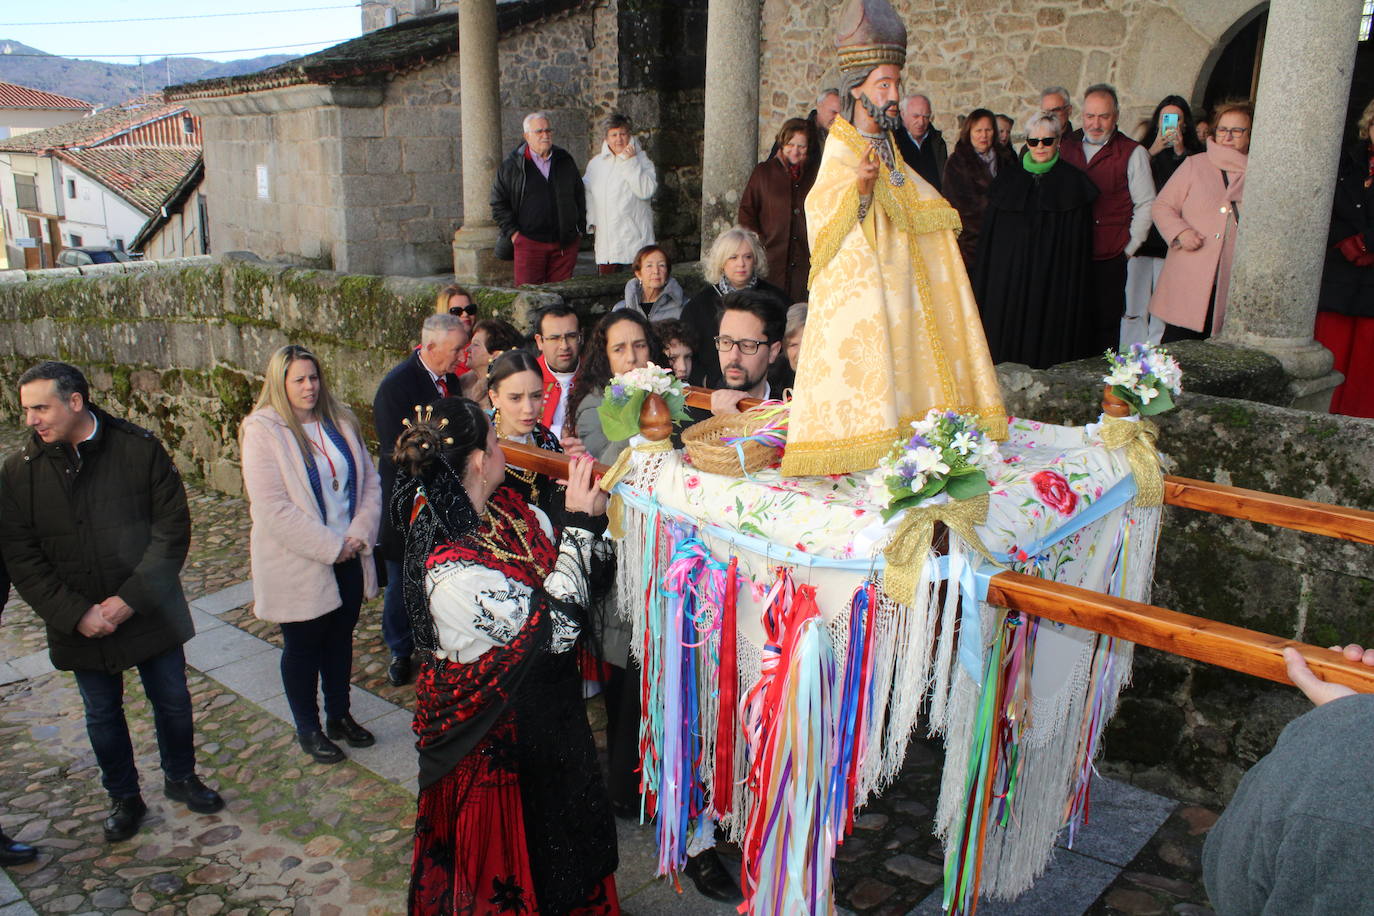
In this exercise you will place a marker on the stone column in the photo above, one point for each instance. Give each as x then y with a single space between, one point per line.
1288 186
480 143
731 146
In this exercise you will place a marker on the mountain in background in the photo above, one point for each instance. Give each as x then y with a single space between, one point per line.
103 83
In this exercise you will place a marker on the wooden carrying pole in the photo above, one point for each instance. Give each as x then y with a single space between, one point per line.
1246 651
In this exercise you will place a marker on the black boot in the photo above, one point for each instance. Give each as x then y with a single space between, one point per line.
13 852
125 816
398 673
194 794
321 748
344 727
708 873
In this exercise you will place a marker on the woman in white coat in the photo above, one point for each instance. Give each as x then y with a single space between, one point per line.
315 501
620 181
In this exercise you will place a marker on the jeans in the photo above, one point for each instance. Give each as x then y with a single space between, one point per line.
395 621
164 681
319 653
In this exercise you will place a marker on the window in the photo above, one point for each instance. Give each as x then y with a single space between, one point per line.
75 241
1366 19
71 189
26 191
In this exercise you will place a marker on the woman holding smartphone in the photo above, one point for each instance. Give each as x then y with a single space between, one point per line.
1171 138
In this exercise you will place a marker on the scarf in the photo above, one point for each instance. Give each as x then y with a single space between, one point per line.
725 287
1038 168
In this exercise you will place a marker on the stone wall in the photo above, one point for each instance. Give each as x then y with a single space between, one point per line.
1190 730
999 54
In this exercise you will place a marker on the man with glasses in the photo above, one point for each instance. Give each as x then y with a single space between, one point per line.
1054 101
422 378
749 342
920 143
559 339
540 203
1120 167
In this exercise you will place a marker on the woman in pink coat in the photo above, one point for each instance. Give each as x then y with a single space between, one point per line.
1197 213
315 501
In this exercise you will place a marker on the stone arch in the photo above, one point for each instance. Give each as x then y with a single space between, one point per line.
1173 49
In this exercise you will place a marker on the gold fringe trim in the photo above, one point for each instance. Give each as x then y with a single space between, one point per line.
906 551
831 238
1138 438
825 457
868 58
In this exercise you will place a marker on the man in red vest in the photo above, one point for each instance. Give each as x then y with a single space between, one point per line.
1120 167
557 334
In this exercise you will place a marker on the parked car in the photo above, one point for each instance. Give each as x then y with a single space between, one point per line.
90 254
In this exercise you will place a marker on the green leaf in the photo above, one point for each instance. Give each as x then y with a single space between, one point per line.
1162 402
621 421
968 485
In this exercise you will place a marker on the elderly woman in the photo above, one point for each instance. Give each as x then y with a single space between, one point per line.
772 206
315 502
735 261
620 180
512 813
1032 274
1197 213
1168 145
974 162
653 292
1345 308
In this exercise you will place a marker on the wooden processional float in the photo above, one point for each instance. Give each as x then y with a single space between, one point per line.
1198 638
935 632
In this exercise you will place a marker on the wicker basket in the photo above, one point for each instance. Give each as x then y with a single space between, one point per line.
708 453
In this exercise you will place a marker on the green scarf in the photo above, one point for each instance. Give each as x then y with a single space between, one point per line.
1038 168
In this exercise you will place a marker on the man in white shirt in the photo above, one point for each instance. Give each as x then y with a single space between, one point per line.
559 338
1120 167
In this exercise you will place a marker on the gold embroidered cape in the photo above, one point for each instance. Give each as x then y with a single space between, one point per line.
892 329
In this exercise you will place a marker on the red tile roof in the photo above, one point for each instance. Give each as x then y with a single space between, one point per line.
142 175
13 95
94 129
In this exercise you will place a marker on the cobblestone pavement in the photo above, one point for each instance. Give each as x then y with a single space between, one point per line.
301 838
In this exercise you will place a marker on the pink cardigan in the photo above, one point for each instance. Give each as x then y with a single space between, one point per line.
1197 198
291 549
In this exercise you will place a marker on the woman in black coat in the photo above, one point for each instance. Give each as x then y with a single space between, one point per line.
975 161
1032 277
1345 308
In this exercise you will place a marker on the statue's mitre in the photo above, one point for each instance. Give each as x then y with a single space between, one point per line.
869 33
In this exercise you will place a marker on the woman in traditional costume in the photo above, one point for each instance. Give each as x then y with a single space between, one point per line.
512 812
1033 275
516 388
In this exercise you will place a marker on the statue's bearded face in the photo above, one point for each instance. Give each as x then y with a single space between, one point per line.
878 96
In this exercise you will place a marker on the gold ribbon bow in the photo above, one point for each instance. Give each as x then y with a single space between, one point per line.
1138 438
906 551
615 509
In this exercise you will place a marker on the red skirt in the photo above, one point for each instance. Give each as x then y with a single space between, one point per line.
470 853
1351 341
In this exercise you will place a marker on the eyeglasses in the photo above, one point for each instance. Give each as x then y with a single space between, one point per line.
746 346
572 337
468 309
1037 141
1232 131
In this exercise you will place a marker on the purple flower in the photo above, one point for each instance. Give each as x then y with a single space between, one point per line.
618 392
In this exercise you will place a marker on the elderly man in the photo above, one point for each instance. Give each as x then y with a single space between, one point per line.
95 528
423 377
827 107
892 328
540 203
921 145
1056 101
1120 167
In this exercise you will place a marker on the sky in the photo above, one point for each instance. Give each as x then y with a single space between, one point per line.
147 27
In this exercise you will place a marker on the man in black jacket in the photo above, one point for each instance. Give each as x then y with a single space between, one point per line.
95 528
540 204
921 145
423 378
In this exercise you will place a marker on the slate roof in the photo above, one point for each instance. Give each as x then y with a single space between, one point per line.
12 95
142 175
394 49
89 131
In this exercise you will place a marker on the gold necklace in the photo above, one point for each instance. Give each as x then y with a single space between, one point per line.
485 537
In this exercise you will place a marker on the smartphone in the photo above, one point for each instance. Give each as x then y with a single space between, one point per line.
1168 121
